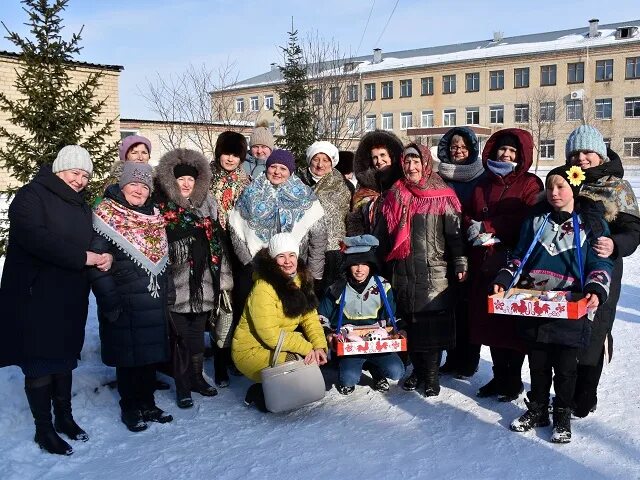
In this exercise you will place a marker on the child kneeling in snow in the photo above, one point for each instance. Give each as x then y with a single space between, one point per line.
362 305
549 257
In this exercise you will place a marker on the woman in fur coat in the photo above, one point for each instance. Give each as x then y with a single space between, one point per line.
282 298
183 178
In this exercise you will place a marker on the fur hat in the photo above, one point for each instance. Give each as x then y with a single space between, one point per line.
261 135
281 243
231 143
129 142
586 137
136 172
325 147
72 156
282 157
345 163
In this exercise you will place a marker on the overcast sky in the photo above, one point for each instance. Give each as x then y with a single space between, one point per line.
149 37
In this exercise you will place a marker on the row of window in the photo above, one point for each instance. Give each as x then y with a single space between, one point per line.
254 104
630 147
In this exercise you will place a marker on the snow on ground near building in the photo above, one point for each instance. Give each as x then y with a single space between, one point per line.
366 435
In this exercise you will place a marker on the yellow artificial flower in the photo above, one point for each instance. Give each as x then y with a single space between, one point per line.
576 175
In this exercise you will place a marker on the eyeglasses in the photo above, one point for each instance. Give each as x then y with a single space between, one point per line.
455 148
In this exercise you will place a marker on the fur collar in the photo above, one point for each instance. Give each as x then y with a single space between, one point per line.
295 300
166 181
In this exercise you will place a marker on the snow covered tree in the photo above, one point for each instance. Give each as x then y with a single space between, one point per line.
294 110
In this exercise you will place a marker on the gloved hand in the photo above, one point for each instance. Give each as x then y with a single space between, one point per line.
474 230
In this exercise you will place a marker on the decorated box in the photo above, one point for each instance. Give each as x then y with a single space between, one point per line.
535 303
394 343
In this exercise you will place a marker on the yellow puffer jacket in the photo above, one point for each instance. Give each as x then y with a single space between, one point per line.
256 336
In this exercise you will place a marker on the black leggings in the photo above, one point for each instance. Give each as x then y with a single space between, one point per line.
190 326
549 362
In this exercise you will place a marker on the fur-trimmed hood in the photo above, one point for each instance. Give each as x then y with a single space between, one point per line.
367 175
166 182
525 150
295 300
470 140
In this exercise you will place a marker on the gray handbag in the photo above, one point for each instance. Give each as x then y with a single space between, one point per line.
222 329
290 385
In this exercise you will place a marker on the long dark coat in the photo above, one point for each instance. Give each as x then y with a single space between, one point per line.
44 291
133 324
501 204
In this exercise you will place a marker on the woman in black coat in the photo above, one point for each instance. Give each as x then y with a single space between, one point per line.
45 290
133 296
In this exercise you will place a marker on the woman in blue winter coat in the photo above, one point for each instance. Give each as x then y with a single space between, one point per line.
549 257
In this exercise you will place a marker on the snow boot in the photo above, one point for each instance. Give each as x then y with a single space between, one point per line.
220 364
198 383
255 396
561 425
133 420
39 398
513 387
151 413
537 415
183 390
64 422
413 381
431 378
496 385
345 390
160 385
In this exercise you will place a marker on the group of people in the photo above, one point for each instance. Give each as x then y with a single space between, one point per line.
314 248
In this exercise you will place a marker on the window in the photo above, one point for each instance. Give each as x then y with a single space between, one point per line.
405 88
607 142
547 149
426 85
496 80
272 125
254 104
127 133
449 84
406 120
352 125
449 117
268 103
631 147
320 127
604 108
334 95
387 90
547 75
632 107
369 91
574 109
472 82
575 72
496 114
473 115
387 121
633 68
316 96
370 123
334 125
521 113
521 77
426 119
352 93
604 70
239 105
283 129
547 111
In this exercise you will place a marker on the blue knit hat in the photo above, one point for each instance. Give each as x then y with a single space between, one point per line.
586 137
282 157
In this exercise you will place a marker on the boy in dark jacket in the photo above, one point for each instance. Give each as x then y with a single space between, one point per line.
549 257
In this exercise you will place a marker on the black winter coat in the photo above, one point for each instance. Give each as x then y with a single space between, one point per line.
133 324
44 291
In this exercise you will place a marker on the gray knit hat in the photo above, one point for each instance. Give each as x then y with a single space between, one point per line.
586 137
72 156
261 136
136 172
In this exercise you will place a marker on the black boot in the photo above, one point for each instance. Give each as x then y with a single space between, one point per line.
255 396
198 383
183 389
39 398
537 415
496 385
561 425
152 413
133 420
431 378
220 364
512 389
413 381
64 422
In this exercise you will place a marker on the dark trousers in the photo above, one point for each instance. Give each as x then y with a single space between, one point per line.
557 363
587 385
191 326
507 363
136 386
426 362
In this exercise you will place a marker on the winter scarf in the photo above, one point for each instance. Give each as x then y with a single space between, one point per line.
612 189
192 239
455 172
269 210
141 237
226 187
501 169
430 196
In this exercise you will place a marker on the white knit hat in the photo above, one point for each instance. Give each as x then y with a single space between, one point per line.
72 156
281 243
325 147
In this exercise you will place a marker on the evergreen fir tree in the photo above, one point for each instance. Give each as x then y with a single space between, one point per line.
294 110
51 111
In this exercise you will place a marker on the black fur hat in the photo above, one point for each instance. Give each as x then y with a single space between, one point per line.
345 164
231 143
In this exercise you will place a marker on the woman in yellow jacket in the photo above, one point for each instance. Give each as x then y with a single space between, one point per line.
282 298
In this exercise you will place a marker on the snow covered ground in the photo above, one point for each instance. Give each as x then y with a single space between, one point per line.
366 435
